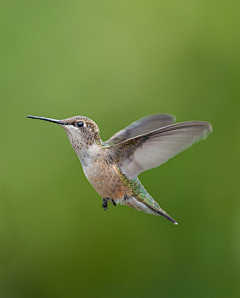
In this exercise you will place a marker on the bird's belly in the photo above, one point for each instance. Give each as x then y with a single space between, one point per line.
105 180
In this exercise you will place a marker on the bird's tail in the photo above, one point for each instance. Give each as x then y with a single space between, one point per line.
147 205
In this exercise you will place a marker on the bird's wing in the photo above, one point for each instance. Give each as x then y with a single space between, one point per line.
141 126
152 149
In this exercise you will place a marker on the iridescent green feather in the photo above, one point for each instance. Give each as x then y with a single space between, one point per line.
140 193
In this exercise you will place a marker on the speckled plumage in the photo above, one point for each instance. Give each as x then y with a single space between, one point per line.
112 166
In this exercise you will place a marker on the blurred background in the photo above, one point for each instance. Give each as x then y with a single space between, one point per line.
115 62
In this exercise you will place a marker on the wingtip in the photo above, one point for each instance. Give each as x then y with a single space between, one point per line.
210 128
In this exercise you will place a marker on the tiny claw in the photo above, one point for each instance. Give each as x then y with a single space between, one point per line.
105 204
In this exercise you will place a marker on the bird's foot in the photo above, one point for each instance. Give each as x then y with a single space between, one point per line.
114 204
105 204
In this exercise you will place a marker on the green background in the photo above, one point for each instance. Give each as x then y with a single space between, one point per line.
117 61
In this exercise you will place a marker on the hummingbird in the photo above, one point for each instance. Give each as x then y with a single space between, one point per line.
113 166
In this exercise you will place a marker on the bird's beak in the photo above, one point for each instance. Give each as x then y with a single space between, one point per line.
47 119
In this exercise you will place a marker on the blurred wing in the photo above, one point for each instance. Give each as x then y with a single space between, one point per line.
141 126
155 148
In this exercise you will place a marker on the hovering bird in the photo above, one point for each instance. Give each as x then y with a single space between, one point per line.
112 166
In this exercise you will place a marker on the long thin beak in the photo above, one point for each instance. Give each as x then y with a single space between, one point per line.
47 119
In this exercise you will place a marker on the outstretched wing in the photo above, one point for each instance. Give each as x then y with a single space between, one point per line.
141 126
155 148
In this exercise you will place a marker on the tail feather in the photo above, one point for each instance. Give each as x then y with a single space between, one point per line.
147 206
164 214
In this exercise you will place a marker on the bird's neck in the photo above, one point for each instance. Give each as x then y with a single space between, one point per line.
86 152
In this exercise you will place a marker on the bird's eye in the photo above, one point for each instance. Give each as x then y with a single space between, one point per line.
80 124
